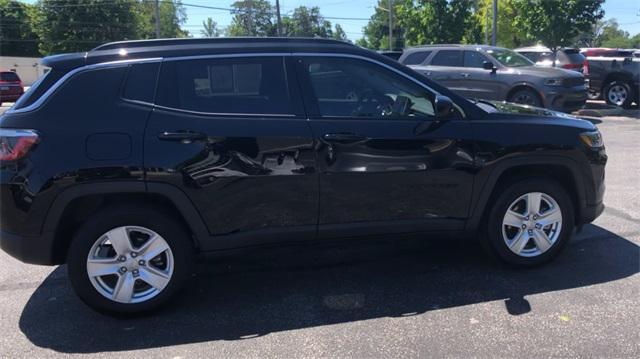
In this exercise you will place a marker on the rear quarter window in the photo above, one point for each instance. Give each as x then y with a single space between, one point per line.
39 88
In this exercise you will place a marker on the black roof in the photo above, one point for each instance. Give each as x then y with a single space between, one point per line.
138 49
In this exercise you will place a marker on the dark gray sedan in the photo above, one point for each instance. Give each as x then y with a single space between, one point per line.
495 73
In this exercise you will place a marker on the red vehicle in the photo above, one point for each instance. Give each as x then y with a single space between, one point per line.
10 87
605 52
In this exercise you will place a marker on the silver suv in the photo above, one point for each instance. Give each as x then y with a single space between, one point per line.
495 73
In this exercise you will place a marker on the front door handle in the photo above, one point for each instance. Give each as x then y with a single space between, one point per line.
343 137
465 75
182 136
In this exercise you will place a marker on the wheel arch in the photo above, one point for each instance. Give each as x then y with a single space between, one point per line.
77 203
524 86
563 170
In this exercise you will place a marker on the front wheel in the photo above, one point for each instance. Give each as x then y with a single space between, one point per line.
526 96
129 260
530 222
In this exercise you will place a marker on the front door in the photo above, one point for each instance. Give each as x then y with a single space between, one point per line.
377 174
229 133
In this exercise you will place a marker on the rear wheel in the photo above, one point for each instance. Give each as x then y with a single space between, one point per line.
129 260
618 93
526 97
530 222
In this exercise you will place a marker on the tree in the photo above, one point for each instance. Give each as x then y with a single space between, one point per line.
252 18
376 32
339 34
172 16
16 34
79 25
435 21
557 23
210 28
307 22
509 34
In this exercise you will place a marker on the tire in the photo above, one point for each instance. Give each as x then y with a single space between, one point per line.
168 270
499 237
526 96
618 93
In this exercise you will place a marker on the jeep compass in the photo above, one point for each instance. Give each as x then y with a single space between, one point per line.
180 147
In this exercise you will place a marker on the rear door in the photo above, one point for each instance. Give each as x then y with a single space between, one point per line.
445 68
230 133
377 174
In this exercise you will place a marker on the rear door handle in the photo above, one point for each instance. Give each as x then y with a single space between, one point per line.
343 137
465 75
182 136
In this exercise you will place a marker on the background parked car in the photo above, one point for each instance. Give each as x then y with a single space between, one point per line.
605 52
567 58
616 78
495 73
10 86
392 54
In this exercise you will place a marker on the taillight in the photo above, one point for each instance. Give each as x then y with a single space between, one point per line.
585 67
15 144
571 66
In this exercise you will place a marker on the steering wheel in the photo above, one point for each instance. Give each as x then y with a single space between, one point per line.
371 103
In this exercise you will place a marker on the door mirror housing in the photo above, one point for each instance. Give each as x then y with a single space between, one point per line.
487 65
444 107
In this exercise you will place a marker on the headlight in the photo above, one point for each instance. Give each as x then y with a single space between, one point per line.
553 82
592 139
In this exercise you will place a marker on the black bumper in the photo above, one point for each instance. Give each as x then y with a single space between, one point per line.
591 212
33 250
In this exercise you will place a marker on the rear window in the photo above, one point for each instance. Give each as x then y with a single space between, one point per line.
38 88
9 76
416 58
575 57
448 58
226 86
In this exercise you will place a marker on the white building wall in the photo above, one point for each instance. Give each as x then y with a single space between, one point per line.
28 68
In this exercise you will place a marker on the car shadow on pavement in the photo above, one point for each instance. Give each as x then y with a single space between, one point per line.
253 294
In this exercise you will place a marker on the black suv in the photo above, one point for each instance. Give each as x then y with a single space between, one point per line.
126 161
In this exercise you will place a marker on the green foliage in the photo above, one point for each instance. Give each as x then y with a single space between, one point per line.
172 16
16 35
252 18
210 28
339 34
436 21
376 32
612 36
79 25
509 34
556 23
306 22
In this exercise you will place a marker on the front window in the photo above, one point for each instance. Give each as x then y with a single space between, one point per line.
355 88
509 58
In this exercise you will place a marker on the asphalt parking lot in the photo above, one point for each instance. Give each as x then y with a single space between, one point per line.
383 298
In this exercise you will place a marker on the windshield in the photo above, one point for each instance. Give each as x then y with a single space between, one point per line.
509 58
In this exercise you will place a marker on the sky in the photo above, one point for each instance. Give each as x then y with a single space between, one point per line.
626 12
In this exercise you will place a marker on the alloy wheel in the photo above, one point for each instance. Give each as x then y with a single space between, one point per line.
617 94
130 264
532 224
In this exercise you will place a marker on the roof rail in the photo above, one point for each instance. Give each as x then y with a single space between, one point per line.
218 40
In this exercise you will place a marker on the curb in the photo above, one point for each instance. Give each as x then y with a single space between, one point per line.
612 111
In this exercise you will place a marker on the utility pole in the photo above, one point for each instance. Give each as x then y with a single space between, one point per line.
279 18
390 25
495 23
157 19
250 17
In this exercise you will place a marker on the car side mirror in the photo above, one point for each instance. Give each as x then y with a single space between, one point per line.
488 66
444 111
444 107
